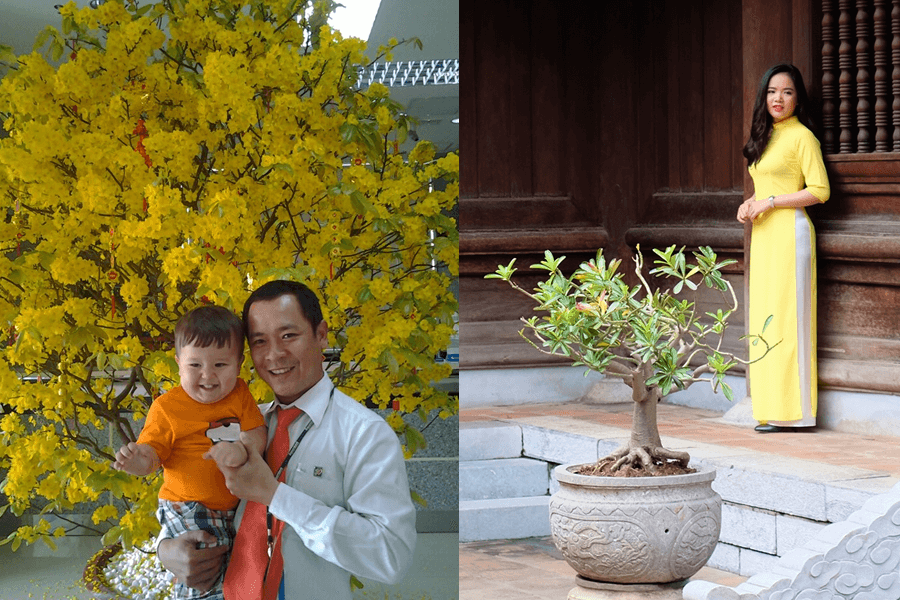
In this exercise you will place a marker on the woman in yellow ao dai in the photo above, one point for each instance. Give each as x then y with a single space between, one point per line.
785 162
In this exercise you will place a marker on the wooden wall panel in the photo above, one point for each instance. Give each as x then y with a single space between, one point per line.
718 91
493 115
672 78
547 104
520 165
469 93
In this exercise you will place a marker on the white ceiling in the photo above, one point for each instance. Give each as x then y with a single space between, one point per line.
435 22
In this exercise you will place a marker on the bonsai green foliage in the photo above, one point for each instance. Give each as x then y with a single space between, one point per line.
645 335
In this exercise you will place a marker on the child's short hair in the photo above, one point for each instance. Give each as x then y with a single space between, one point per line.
206 325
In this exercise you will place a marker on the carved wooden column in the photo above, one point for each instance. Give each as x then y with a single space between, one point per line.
895 76
829 81
845 83
882 88
863 78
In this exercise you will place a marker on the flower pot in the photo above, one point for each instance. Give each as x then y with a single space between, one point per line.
635 529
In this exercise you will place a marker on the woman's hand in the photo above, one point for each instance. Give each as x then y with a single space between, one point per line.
742 209
752 208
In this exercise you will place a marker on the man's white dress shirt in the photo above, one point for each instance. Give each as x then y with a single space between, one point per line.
345 501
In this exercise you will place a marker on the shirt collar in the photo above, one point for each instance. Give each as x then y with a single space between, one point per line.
785 122
313 402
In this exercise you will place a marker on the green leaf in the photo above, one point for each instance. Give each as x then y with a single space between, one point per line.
361 204
414 440
388 359
112 535
56 49
300 273
141 11
364 294
42 37
766 324
355 583
282 167
349 132
417 498
7 54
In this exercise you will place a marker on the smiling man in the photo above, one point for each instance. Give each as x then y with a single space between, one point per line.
341 503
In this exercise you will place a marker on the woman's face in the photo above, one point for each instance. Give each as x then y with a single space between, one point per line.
781 97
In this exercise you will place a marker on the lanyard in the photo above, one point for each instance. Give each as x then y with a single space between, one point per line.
269 519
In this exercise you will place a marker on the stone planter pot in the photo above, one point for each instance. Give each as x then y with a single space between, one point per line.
635 529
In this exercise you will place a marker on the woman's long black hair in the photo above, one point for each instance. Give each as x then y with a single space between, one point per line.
761 126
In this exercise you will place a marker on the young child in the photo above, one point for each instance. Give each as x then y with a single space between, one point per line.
184 423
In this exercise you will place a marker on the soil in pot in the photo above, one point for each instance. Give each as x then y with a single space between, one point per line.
663 468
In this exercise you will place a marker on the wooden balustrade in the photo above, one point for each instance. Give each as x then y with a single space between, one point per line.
861 93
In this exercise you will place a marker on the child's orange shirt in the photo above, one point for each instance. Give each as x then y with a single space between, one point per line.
176 428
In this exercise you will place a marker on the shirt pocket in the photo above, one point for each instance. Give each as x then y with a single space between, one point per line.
324 482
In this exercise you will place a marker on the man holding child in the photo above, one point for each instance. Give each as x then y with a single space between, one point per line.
341 503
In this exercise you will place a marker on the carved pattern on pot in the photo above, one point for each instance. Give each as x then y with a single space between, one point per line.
692 547
598 547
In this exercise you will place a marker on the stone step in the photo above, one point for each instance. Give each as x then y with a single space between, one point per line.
503 478
508 518
486 440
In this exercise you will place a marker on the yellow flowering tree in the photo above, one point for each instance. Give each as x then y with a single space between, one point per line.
186 151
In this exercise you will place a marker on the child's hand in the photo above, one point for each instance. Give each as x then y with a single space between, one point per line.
227 454
136 459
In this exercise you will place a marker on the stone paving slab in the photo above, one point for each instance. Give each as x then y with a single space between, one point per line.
529 569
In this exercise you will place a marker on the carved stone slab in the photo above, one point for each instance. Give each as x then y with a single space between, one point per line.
857 558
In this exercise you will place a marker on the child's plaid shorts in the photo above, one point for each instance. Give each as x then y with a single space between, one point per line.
180 517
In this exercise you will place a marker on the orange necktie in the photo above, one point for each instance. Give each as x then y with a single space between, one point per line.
250 556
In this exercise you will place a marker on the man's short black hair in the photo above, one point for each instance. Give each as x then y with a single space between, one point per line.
309 303
208 325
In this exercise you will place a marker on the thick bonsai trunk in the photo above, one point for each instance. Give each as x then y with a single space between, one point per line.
644 450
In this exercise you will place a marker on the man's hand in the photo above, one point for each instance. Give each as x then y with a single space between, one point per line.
253 480
227 454
195 567
136 459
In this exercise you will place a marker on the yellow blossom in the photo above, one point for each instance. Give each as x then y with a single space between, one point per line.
177 157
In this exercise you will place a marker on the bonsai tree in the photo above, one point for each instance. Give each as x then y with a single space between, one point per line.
655 341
